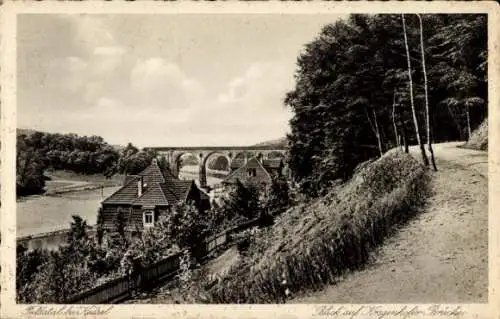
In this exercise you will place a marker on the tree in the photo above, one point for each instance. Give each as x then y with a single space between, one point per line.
278 198
410 84
29 168
100 226
119 223
184 226
348 77
244 200
428 124
78 230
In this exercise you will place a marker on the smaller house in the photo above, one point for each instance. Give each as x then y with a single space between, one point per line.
252 172
274 166
145 197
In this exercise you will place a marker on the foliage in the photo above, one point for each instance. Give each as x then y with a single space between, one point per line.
100 226
38 151
311 245
77 230
82 154
133 161
119 223
184 225
350 75
479 138
185 273
243 200
29 169
278 197
52 276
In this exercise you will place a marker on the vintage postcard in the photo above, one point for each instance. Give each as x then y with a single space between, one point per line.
249 159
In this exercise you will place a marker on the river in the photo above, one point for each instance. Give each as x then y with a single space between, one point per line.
40 214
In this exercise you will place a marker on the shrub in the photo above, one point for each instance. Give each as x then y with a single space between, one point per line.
479 138
312 244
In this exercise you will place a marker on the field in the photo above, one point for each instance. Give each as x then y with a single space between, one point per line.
64 181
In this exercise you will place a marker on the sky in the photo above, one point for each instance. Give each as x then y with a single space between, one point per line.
161 80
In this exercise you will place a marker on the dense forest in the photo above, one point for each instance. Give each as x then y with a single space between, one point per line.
354 98
38 151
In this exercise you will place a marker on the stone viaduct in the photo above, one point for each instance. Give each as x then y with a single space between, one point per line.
203 153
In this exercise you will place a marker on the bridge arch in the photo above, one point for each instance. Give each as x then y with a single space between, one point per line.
204 161
219 154
177 161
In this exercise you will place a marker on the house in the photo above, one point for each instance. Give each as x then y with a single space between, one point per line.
145 197
273 166
252 172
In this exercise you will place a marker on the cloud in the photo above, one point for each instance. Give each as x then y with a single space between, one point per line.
106 59
157 83
255 96
91 31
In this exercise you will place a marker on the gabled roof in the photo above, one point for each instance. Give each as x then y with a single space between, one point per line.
154 196
159 188
125 195
241 173
153 174
237 163
130 178
272 163
176 190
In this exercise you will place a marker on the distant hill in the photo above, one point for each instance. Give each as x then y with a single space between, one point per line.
280 142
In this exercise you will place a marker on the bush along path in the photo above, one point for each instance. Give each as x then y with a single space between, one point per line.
439 257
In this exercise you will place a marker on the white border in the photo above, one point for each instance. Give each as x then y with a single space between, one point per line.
9 11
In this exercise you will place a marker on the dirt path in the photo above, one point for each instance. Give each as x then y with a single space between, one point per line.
439 257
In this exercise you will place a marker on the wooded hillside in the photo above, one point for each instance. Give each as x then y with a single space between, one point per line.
352 100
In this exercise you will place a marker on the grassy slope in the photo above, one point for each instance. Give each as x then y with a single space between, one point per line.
439 257
313 243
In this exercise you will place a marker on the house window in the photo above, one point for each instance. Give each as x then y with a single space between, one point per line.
252 172
148 219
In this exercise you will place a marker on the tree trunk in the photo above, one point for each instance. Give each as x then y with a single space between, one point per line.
379 140
375 129
415 121
468 121
429 142
394 118
405 140
453 116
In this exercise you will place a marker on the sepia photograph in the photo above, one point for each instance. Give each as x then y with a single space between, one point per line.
251 158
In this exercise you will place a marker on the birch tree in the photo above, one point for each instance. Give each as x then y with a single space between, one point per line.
427 116
415 120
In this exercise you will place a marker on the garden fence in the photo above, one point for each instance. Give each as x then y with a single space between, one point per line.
122 288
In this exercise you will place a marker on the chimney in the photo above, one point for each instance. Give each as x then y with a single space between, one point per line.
139 187
260 158
155 161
